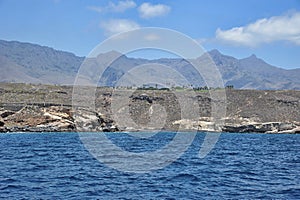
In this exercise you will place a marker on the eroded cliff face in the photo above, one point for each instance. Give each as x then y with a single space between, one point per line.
40 108
53 119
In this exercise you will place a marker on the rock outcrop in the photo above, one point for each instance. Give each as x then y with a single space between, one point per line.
269 127
41 108
54 119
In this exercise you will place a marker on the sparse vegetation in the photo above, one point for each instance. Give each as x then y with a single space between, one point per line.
243 106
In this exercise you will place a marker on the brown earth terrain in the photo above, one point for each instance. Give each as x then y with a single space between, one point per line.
47 108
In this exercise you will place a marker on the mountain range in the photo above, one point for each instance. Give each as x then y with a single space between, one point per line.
32 63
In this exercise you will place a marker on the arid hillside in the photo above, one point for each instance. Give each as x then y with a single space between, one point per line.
28 107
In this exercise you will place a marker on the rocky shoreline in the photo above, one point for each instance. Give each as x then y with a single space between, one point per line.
40 108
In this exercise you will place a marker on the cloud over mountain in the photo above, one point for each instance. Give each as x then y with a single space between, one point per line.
278 28
114 26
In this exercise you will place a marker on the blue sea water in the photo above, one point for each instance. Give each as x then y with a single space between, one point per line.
241 166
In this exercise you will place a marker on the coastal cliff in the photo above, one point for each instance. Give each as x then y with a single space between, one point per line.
48 108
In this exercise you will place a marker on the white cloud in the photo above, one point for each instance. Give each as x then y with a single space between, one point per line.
147 10
278 28
121 6
201 41
115 26
96 8
152 37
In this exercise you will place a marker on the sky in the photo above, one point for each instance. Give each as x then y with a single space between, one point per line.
270 29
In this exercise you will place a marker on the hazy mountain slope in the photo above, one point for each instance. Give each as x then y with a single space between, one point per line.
25 62
254 73
43 64
11 72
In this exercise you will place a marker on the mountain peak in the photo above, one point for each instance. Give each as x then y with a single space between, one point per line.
27 62
113 52
253 58
110 55
214 52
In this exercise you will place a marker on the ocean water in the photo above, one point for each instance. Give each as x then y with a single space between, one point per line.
241 166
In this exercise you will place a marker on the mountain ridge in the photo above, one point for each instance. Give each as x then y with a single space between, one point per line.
33 63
